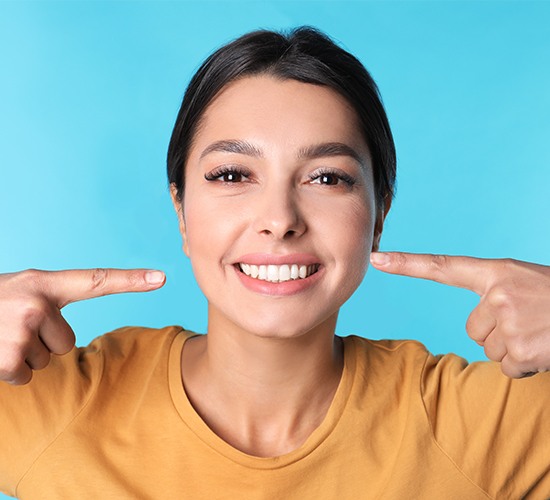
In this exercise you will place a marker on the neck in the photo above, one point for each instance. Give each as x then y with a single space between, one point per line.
273 392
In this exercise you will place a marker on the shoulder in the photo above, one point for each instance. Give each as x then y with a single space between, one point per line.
403 347
445 381
387 353
480 396
394 367
34 415
73 376
488 423
132 339
493 428
449 373
129 348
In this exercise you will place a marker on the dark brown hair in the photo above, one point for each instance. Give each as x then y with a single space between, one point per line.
306 55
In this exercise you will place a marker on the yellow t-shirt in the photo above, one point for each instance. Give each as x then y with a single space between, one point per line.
112 420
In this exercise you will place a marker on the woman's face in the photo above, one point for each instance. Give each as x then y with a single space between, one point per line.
278 212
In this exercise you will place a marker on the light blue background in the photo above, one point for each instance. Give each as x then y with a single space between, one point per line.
89 92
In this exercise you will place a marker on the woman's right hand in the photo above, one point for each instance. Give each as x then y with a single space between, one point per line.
31 325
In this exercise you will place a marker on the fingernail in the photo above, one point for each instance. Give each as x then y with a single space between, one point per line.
154 277
379 258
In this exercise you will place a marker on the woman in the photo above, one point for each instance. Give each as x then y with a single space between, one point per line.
281 168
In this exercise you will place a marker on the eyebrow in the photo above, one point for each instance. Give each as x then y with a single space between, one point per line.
328 149
233 146
322 150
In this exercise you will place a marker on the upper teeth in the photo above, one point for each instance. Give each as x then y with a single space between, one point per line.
276 274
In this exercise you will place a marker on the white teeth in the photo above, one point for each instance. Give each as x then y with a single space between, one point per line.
262 272
284 273
272 273
277 274
254 271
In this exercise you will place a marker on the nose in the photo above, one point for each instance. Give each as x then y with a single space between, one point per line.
277 213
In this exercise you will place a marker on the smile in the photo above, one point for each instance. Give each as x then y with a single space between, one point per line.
278 274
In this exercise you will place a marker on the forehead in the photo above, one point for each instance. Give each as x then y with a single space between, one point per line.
273 112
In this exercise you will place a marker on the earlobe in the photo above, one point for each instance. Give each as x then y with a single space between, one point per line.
377 236
379 226
185 246
178 207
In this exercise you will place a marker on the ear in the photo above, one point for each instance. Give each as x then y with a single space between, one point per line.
379 226
178 207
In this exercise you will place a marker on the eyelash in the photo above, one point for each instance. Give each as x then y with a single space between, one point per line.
342 176
218 173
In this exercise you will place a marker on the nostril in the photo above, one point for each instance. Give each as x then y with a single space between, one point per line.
280 223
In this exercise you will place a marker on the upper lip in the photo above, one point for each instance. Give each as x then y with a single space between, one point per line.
259 259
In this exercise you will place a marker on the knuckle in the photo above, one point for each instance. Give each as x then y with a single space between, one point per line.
14 350
10 367
99 278
31 275
510 371
500 296
511 327
509 264
23 343
490 353
509 268
64 342
400 260
40 362
509 367
32 311
439 262
64 346
470 326
22 378
30 278
492 350
522 352
23 309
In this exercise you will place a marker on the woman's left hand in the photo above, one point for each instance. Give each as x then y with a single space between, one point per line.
512 319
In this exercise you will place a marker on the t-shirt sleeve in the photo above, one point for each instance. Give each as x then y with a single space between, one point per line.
495 429
33 415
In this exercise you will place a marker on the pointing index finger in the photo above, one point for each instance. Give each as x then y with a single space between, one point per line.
464 272
70 286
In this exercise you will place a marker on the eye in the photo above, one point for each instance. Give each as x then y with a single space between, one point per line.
330 177
228 175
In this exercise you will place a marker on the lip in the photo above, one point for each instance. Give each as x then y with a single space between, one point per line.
285 288
259 259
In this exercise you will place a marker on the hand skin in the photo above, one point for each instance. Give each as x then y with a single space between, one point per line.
31 325
512 319
511 322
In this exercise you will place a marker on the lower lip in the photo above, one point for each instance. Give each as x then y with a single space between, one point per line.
284 288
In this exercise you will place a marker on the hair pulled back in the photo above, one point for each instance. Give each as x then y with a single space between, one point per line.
306 55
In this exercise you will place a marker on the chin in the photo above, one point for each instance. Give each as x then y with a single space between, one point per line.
271 326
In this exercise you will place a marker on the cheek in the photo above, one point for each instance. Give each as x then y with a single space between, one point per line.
350 236
203 240
357 236
210 228
348 226
200 227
